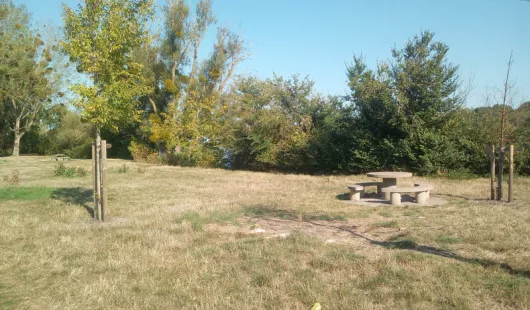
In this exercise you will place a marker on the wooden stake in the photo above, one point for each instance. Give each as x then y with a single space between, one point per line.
98 169
104 195
94 178
499 177
510 176
492 171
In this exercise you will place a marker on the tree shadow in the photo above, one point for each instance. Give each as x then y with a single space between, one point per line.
75 195
269 213
470 199
413 246
274 214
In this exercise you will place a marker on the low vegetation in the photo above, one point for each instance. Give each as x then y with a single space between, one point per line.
12 179
62 170
190 238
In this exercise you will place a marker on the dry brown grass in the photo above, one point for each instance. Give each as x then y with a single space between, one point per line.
184 238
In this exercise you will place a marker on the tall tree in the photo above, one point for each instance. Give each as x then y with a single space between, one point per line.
185 96
100 37
268 124
404 107
26 87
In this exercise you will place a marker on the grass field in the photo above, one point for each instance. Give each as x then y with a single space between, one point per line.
189 238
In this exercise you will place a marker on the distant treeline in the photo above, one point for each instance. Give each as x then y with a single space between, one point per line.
408 113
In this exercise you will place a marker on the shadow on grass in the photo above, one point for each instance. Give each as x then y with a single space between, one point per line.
266 212
343 196
469 199
75 195
372 197
413 246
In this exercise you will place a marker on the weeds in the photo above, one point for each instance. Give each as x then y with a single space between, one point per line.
62 171
81 172
123 169
13 179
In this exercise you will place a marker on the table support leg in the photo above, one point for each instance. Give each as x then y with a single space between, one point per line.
387 183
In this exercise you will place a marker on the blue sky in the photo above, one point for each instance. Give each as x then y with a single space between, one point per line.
317 38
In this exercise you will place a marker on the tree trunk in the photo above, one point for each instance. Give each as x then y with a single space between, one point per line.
16 146
18 136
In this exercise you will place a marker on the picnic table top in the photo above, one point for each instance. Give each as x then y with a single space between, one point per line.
389 174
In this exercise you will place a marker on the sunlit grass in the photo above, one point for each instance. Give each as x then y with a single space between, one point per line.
186 238
24 193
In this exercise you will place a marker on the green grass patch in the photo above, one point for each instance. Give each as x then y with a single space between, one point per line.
390 224
197 220
385 214
458 175
447 240
324 217
269 212
25 193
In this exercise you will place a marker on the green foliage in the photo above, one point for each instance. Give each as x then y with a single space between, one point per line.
61 170
100 37
13 179
71 136
27 81
142 153
184 105
268 124
403 108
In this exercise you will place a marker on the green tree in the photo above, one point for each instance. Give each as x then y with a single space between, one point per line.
71 137
268 124
184 103
26 73
404 106
100 37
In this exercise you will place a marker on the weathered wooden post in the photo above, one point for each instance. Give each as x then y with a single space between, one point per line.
98 172
492 171
94 178
499 177
510 176
104 193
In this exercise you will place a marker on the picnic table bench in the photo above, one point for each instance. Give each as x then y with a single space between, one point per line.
60 157
357 189
421 191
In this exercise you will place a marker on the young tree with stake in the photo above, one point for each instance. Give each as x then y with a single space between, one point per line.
99 37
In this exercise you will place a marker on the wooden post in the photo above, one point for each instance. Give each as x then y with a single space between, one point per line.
510 176
499 178
492 171
104 193
94 178
98 178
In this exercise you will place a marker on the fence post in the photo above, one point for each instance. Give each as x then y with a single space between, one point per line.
492 171
98 179
499 177
104 193
94 182
510 176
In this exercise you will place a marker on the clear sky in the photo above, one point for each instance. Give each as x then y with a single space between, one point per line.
317 38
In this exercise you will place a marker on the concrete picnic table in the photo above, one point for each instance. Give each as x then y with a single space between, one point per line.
389 178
